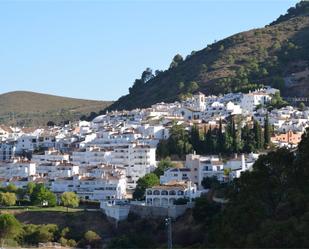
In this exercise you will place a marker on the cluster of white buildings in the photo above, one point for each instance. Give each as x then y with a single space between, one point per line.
103 159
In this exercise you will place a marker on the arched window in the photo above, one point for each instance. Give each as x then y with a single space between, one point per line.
172 192
149 192
164 202
172 200
156 202
180 192
156 192
164 192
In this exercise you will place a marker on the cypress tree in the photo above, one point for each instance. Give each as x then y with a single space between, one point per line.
208 142
248 139
234 135
220 144
257 135
228 138
266 132
195 139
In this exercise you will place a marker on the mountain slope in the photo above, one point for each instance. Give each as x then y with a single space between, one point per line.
270 56
29 108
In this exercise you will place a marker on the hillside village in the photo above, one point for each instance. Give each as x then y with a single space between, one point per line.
103 160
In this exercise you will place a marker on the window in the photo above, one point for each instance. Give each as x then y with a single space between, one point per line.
172 192
156 192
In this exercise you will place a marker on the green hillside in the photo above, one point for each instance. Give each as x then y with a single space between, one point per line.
275 55
29 108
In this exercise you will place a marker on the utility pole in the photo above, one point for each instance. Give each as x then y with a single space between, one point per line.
168 223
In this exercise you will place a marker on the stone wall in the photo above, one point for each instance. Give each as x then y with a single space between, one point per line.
151 211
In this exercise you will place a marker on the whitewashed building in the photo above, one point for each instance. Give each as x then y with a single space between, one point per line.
166 194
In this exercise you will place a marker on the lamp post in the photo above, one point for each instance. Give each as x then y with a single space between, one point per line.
168 223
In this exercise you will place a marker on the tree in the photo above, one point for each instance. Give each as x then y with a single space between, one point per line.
11 188
204 211
163 165
228 141
46 233
30 187
147 75
248 139
50 123
236 134
92 239
266 132
178 143
10 228
220 143
149 180
265 193
181 86
192 87
7 199
42 196
278 82
195 139
210 182
162 149
69 199
176 61
209 145
257 134
158 72
277 101
302 106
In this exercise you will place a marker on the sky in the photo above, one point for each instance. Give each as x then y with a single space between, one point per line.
96 49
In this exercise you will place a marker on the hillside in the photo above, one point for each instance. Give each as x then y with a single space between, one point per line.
29 108
276 55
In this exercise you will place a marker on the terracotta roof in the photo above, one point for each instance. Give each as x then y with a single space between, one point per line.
6 128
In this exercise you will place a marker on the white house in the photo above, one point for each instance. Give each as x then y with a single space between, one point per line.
166 194
91 156
204 166
111 185
17 168
175 174
50 155
251 100
138 160
7 150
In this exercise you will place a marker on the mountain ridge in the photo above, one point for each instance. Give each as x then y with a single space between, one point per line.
238 63
26 108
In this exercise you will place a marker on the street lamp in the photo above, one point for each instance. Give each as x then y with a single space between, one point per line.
168 224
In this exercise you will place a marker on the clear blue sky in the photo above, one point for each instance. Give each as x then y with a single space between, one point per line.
95 49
